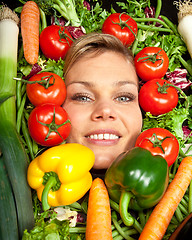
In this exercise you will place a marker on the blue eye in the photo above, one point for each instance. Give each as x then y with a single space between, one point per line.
123 99
128 97
81 98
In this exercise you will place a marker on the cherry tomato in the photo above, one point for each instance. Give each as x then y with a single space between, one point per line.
121 26
55 41
49 124
158 97
151 62
49 89
159 141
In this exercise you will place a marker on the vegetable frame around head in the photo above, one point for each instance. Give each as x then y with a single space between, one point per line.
61 174
138 180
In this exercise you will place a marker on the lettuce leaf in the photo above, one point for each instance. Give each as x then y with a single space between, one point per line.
172 121
57 230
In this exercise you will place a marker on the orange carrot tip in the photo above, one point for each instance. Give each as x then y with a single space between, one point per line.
159 220
30 16
99 212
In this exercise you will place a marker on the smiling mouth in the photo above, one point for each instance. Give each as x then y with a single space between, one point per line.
105 136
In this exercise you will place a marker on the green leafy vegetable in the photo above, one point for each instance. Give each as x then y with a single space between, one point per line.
174 46
165 36
135 8
52 66
173 121
55 229
66 9
91 20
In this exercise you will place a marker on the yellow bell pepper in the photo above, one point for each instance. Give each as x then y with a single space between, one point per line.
60 175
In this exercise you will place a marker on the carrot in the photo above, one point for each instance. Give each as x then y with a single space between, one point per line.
30 16
163 212
99 212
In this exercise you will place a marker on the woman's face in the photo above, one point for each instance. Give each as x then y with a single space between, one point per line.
102 104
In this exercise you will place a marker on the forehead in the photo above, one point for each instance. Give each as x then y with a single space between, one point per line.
96 53
107 57
102 67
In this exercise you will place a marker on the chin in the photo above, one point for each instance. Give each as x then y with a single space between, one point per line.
102 162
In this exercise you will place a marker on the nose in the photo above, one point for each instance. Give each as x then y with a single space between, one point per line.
104 111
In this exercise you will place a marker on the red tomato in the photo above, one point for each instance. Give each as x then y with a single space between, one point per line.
159 141
49 124
151 62
52 89
121 26
157 97
55 41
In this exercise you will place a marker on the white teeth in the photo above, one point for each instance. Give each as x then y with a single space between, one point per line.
105 136
100 136
94 136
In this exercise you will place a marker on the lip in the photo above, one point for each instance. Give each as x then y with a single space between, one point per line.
103 137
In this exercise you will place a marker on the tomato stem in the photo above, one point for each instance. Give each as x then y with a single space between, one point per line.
182 93
165 86
157 142
151 58
45 81
162 88
64 35
124 24
53 127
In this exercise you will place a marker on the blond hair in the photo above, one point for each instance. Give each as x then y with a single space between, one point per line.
96 43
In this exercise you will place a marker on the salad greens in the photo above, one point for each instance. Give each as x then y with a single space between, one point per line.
48 230
65 8
52 230
91 17
154 29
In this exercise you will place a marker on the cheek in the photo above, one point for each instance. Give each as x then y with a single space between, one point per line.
138 119
78 116
133 120
74 114
76 124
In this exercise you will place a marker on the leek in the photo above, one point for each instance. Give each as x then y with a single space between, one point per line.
14 155
185 22
8 63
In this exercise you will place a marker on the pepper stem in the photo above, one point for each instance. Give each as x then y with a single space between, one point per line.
123 208
44 198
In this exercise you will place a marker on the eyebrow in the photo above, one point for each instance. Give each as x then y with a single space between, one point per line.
122 83
88 84
117 83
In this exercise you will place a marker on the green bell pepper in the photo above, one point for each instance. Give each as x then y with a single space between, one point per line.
138 180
